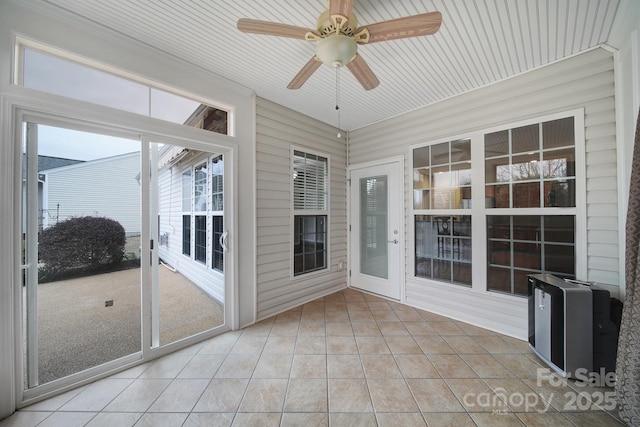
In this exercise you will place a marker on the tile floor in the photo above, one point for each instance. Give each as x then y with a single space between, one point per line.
349 359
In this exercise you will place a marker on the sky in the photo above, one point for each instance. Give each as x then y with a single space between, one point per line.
62 77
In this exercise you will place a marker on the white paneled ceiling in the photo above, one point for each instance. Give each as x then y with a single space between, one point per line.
479 42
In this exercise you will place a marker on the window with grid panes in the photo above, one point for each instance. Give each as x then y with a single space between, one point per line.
441 203
528 171
310 174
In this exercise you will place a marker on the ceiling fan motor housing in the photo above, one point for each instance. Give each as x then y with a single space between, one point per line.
327 26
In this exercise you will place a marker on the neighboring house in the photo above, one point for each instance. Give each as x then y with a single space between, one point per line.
107 187
190 203
45 163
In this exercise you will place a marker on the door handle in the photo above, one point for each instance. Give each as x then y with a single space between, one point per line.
223 241
395 241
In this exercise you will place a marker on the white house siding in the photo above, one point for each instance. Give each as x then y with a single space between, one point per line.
108 187
585 81
170 213
278 129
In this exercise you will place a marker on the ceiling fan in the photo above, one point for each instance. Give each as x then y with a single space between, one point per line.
338 35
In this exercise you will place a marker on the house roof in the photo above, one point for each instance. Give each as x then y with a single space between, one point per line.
479 43
48 162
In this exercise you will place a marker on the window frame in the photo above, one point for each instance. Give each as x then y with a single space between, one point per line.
310 212
479 212
20 43
212 247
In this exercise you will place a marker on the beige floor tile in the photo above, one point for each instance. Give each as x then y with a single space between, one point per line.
349 358
416 366
94 397
402 345
447 328
309 366
306 420
255 420
180 396
409 315
273 366
339 329
54 403
222 395
311 345
312 329
394 419
341 345
372 345
110 419
222 344
392 328
487 366
238 366
420 328
335 316
249 344
518 395
359 420
378 305
463 344
496 420
209 419
306 395
314 315
451 366
344 366
138 396
434 395
385 316
520 364
544 420
476 395
448 419
366 328
349 395
262 328
264 395
360 316
593 419
358 305
285 329
279 345
494 344
380 366
68 419
391 395
433 345
202 366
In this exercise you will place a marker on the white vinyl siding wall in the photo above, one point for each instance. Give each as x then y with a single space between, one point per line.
277 130
107 187
584 81
170 211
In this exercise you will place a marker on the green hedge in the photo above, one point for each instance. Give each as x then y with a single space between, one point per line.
80 243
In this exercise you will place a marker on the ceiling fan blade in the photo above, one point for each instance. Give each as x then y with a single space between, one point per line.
363 73
340 7
272 28
304 74
410 26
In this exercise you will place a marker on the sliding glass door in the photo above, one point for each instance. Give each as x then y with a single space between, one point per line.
124 248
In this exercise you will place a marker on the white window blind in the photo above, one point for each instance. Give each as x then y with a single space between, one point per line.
310 186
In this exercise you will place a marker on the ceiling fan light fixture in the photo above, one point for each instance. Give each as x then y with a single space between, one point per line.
336 50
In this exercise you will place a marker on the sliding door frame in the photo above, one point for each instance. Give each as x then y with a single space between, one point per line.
62 112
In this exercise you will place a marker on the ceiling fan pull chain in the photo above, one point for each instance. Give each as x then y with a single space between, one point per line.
338 100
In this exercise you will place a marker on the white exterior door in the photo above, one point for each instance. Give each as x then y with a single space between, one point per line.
376 228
